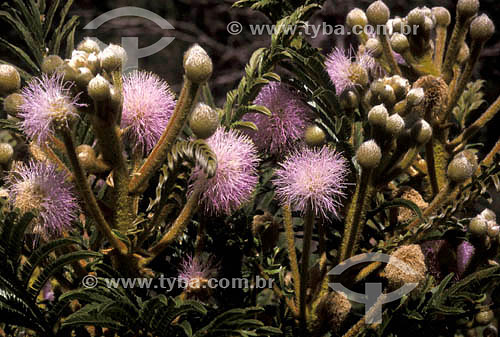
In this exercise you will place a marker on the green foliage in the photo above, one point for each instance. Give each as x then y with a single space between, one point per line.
471 100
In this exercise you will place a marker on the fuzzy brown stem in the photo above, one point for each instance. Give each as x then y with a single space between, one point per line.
304 271
292 254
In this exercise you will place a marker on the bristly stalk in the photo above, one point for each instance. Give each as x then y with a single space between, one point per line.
441 34
304 271
179 224
389 55
292 255
160 152
356 214
87 195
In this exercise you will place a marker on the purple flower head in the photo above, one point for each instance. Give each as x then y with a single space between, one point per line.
314 177
345 69
194 269
148 104
47 103
285 126
236 175
40 188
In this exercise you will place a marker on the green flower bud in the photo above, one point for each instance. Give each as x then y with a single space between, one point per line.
478 226
374 47
88 45
415 96
399 43
113 57
378 13
93 63
314 136
388 96
442 16
12 103
51 64
416 17
70 73
356 17
203 121
378 115
484 317
398 24
421 131
197 64
428 24
467 8
86 156
99 89
493 229
471 157
349 99
400 86
482 28
395 125
78 59
10 80
460 169
488 215
369 155
84 77
6 153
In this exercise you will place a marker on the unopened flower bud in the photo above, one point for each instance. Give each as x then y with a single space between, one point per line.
400 86
493 230
10 80
484 317
428 24
70 73
93 63
356 17
467 8
6 153
421 131
89 45
369 154
406 265
395 125
416 17
374 47
51 64
113 57
99 89
415 96
332 310
460 169
86 156
78 59
471 157
378 13
314 136
488 215
478 226
399 43
388 96
204 121
442 16
84 77
482 28
12 103
378 115
398 24
349 99
197 64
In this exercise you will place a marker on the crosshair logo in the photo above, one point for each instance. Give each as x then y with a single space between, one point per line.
131 43
373 298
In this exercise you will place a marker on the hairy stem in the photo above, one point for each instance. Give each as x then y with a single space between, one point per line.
441 33
304 271
454 45
389 56
87 195
292 254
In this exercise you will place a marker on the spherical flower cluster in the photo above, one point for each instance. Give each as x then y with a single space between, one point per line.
312 178
236 175
47 105
38 187
347 73
193 269
290 116
148 105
